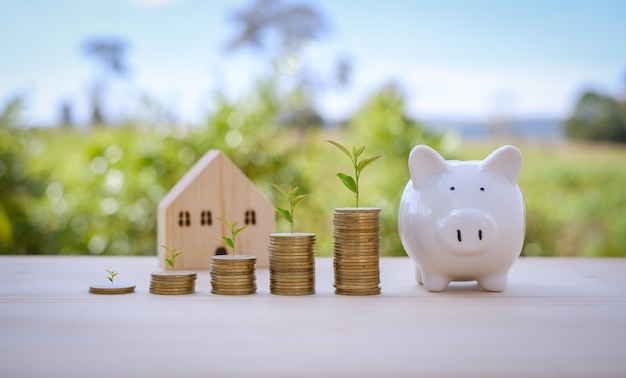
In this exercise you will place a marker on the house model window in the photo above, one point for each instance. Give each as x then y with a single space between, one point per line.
206 219
250 217
184 219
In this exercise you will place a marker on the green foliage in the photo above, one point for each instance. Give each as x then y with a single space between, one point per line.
234 231
174 253
350 182
21 188
293 199
598 118
111 276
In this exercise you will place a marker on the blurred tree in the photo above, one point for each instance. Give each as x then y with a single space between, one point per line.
109 54
282 31
67 114
20 190
598 118
343 71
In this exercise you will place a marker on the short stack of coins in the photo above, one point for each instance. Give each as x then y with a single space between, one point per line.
233 275
356 251
112 289
173 282
292 263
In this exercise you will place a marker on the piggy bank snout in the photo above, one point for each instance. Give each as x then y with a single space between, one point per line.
467 231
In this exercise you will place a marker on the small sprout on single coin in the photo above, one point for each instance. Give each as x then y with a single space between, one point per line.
293 199
233 233
174 253
111 276
350 182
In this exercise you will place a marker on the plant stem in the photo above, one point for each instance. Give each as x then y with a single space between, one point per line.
293 217
356 179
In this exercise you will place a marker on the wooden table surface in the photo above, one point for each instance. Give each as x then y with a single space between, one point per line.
562 317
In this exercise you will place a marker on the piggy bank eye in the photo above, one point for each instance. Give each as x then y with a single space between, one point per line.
452 188
482 189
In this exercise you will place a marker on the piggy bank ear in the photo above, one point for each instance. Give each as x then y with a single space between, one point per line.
506 160
425 162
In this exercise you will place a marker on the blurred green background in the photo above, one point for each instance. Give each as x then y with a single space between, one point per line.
92 187
67 191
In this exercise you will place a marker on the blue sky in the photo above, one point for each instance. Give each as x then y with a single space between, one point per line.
454 59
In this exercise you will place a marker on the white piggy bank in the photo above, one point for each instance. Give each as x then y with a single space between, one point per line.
463 220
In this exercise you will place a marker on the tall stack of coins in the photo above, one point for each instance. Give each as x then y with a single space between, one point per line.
356 251
292 264
173 282
233 275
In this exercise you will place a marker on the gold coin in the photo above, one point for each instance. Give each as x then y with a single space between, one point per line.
112 289
349 220
227 278
166 284
292 286
232 259
233 279
292 277
228 260
291 235
233 283
286 279
188 281
291 247
355 222
287 244
292 260
352 210
357 258
373 291
356 262
233 292
232 272
355 272
287 253
233 287
362 249
171 292
278 272
232 263
343 284
292 265
356 252
231 267
288 256
294 292
173 275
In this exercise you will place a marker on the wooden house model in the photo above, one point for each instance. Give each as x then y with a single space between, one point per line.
187 216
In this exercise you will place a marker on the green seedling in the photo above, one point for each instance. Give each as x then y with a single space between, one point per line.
293 199
111 276
350 182
174 253
233 233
